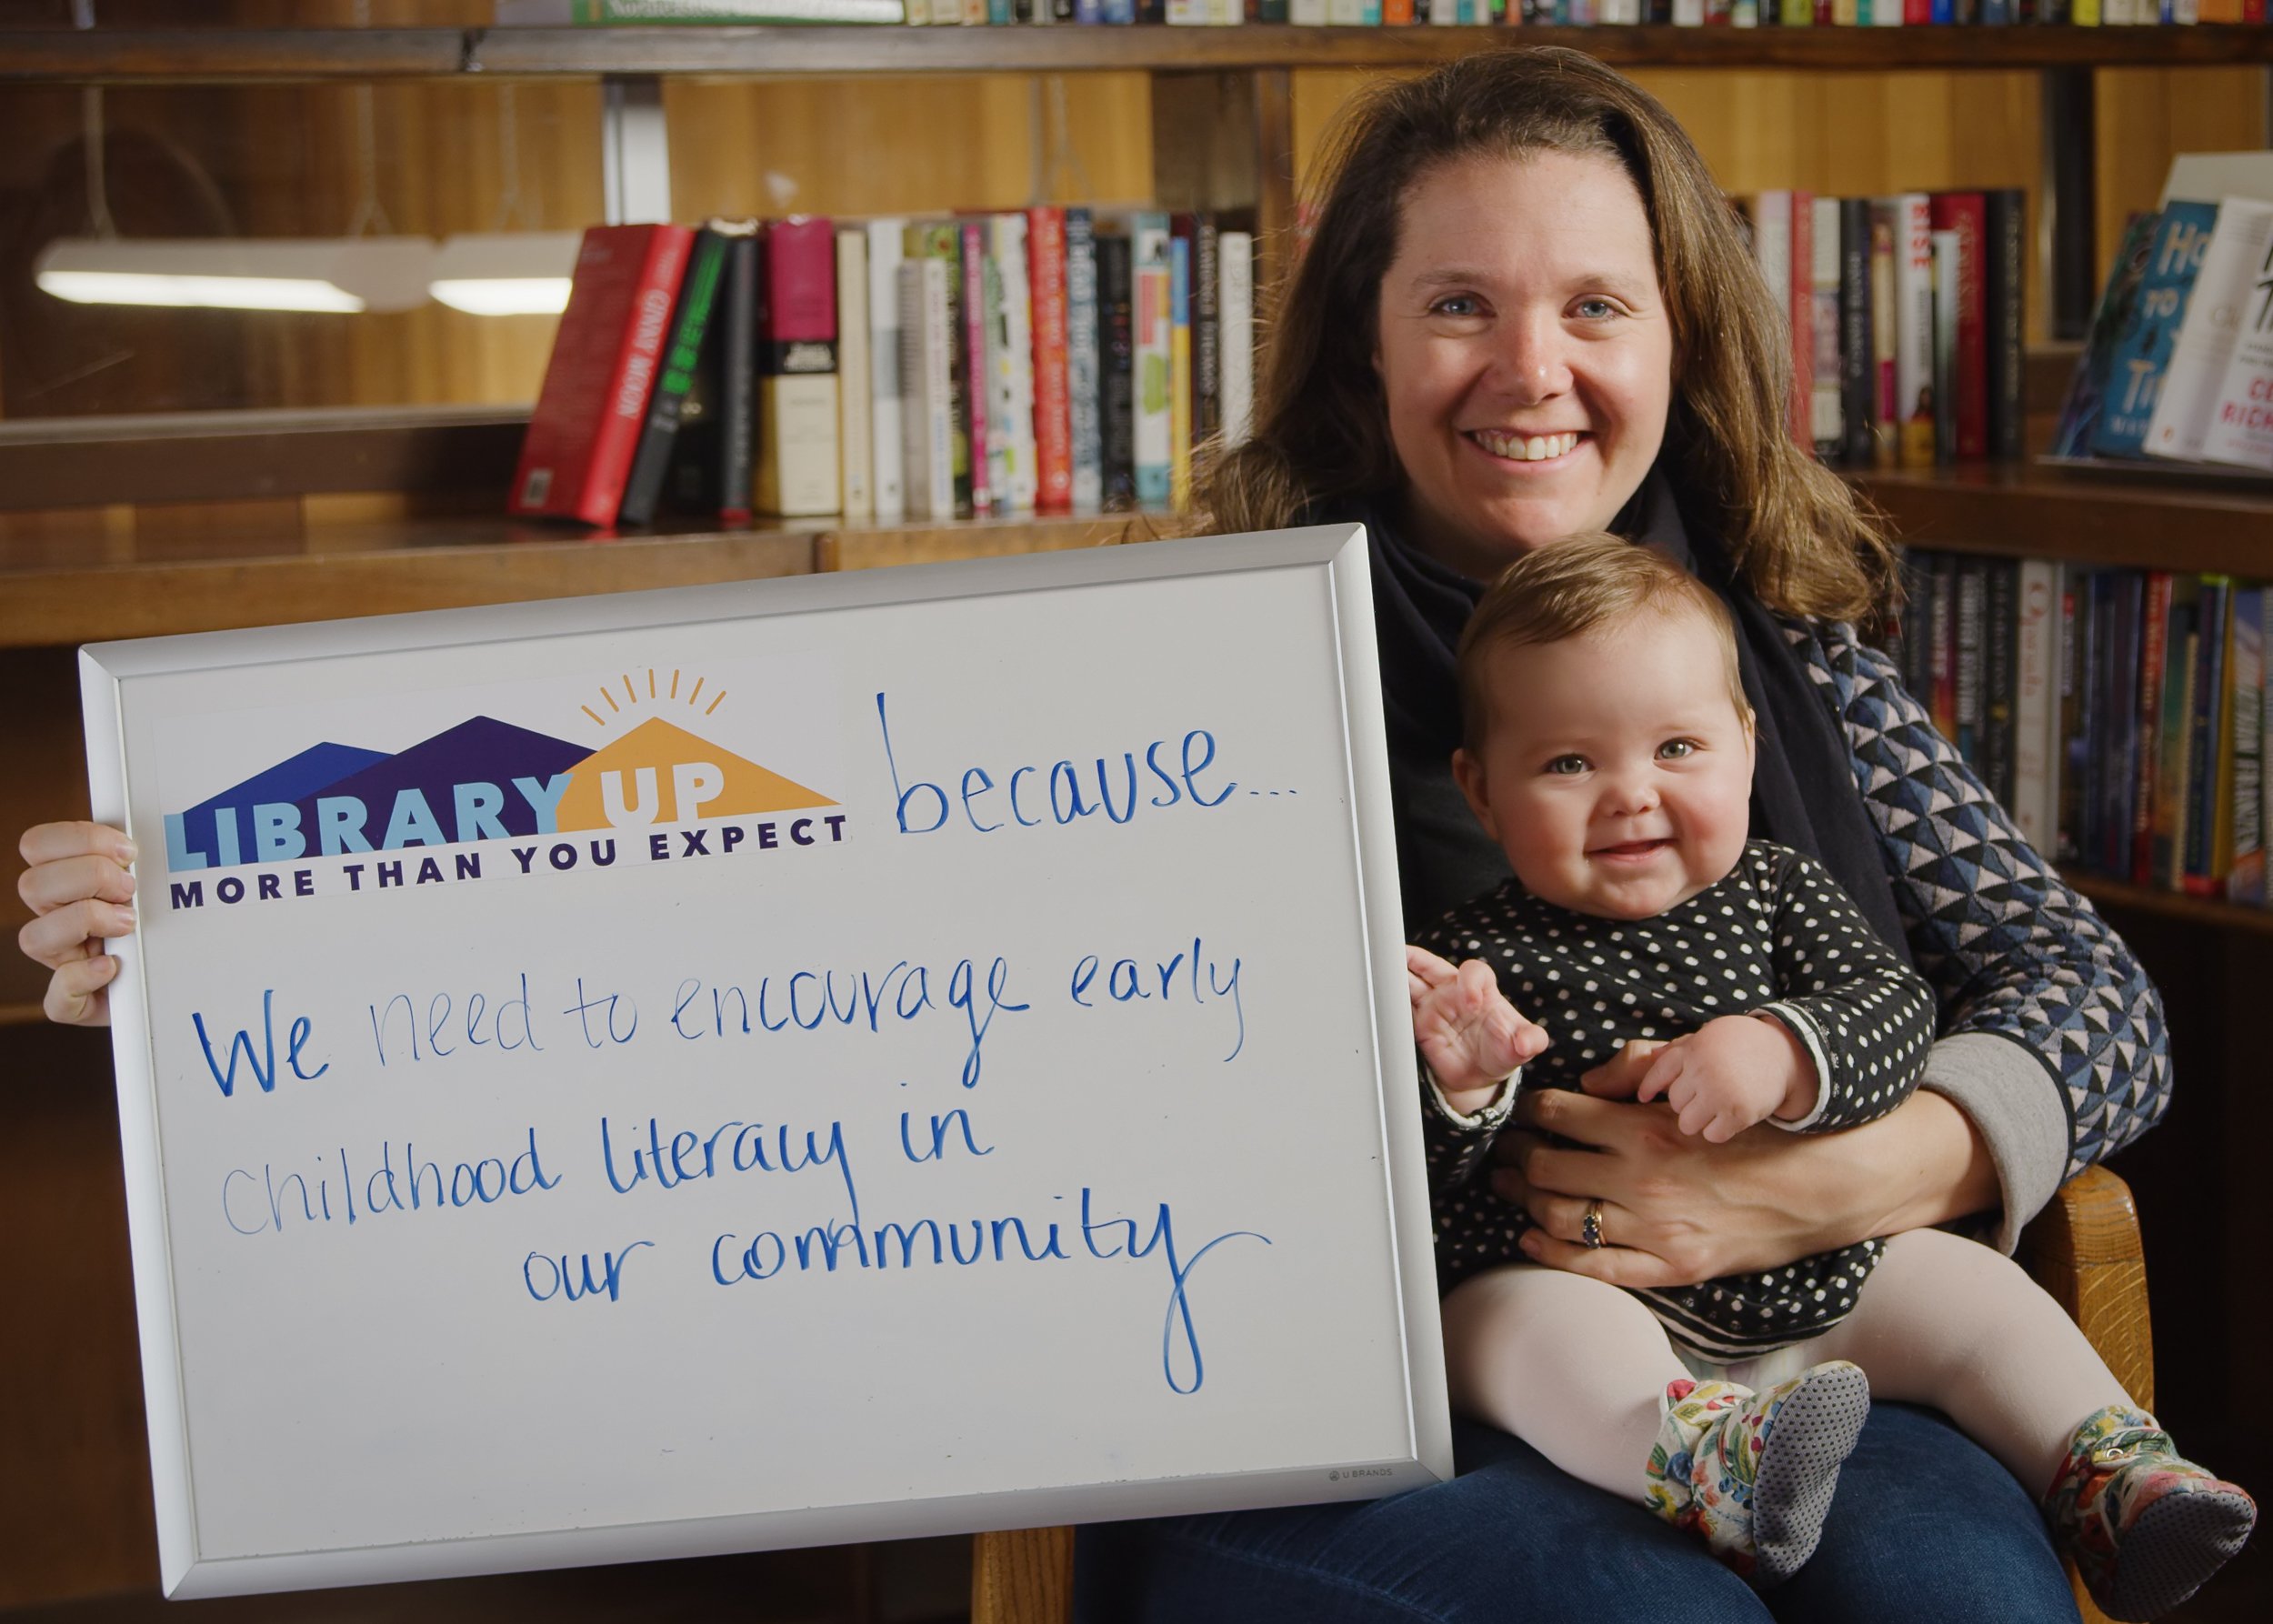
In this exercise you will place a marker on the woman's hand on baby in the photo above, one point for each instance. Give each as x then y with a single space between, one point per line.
1470 1034
76 884
1729 1073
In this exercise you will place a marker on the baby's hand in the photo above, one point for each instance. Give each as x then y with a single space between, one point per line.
1731 1073
1467 1031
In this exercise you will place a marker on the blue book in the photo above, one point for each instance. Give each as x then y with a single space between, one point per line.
2141 355
1942 14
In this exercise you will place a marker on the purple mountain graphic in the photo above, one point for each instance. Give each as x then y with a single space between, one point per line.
312 770
478 752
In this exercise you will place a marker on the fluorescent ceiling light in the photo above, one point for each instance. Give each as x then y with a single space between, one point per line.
507 272
322 274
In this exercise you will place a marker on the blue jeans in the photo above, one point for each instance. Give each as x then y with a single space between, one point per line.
1925 1526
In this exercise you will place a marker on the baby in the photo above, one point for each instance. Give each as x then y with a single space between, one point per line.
1608 750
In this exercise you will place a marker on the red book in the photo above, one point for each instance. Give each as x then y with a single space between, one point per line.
1800 318
1966 213
797 369
978 369
1053 402
2252 12
1918 14
607 352
2153 651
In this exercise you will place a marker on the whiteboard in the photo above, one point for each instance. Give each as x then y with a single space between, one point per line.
808 1060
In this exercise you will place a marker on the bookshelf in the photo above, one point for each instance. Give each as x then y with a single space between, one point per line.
258 518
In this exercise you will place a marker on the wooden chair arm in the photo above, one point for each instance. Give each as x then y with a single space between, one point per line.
2083 1249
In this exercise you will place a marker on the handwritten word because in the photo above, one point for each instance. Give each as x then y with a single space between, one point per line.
1065 794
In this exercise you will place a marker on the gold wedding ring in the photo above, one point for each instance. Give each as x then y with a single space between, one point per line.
1591 1226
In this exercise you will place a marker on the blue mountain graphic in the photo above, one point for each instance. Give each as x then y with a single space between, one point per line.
306 774
482 753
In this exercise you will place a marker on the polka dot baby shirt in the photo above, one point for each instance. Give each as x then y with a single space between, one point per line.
1775 935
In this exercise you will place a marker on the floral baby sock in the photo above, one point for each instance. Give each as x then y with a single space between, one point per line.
1753 1472
2145 1525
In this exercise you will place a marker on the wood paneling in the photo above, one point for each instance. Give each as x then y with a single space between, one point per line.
2147 114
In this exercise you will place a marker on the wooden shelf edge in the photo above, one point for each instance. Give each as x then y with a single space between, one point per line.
2121 894
222 56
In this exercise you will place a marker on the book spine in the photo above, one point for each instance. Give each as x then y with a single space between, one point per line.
1085 371
737 383
2000 684
1885 336
2141 352
1117 385
2124 755
915 450
2245 864
632 386
698 291
855 460
885 385
2069 768
1237 341
1206 315
1053 344
1945 323
1858 384
2155 653
2037 704
2004 225
797 369
1965 213
1010 344
2206 728
1800 313
1149 245
977 375
1180 373
1971 661
2165 862
1941 692
1827 415
1914 329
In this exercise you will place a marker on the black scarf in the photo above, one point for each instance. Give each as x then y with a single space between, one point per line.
1803 794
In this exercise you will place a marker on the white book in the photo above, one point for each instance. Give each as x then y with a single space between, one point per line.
1886 13
1345 14
1914 328
1235 352
1222 14
2240 428
927 426
1826 402
2119 14
2037 706
919 13
1771 247
1084 376
1187 14
2223 290
1688 14
886 245
1441 12
1309 14
855 466
1010 448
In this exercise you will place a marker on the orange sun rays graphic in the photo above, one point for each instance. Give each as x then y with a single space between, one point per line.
658 693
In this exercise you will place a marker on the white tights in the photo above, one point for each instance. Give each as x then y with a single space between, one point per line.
1575 1367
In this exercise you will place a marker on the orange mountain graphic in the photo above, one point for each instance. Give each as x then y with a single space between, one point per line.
644 775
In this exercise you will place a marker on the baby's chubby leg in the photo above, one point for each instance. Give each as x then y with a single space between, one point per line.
1947 1322
1574 1367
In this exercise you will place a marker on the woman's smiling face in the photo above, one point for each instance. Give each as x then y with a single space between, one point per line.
1524 353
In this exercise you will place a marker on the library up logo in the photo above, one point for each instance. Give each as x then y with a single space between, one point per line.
486 780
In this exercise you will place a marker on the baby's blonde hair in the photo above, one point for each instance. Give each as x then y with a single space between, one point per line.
1569 588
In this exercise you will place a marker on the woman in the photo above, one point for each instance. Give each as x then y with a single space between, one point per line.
1526 312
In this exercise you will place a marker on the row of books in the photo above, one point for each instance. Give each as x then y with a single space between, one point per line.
2178 362
1907 317
1563 13
1043 360
2120 715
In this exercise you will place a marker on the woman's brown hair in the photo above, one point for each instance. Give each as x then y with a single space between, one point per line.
1792 529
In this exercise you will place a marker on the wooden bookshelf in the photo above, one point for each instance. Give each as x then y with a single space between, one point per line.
239 56
2121 895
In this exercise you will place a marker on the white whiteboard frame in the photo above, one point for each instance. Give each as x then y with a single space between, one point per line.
1338 551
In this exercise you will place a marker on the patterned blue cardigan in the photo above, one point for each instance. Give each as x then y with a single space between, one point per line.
2012 950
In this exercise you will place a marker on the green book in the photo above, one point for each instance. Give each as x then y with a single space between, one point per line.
682 352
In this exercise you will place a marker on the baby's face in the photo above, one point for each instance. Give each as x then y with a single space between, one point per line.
1616 772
